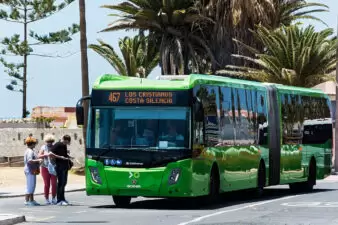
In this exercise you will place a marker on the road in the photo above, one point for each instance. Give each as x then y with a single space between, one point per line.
278 206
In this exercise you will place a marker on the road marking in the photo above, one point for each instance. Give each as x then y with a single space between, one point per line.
83 211
312 204
115 210
327 181
43 219
37 210
236 209
75 202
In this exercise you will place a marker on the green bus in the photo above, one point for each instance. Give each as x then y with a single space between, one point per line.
201 135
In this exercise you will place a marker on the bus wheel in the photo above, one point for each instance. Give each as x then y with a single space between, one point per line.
311 180
214 185
306 186
121 201
261 180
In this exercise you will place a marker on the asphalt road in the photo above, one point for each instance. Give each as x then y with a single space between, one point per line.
277 206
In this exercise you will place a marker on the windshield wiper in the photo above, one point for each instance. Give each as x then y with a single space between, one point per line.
144 149
104 152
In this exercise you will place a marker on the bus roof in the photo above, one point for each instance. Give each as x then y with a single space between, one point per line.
117 82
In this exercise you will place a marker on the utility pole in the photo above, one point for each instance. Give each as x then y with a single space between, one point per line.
336 116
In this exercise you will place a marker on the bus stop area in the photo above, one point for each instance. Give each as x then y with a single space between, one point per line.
12 182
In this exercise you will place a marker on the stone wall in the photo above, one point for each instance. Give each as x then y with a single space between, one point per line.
18 123
12 141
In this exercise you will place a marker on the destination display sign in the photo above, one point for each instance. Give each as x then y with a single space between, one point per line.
125 98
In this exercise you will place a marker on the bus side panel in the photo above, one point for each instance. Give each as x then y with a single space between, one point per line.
201 167
233 135
321 146
306 132
294 160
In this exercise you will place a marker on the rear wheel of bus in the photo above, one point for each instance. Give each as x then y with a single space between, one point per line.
121 201
306 186
261 179
214 186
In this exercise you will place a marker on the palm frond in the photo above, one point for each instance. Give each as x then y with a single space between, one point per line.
109 54
293 56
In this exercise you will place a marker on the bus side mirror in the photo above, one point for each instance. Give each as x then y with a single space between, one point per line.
79 113
198 110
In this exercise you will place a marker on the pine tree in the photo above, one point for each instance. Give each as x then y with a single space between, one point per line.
26 12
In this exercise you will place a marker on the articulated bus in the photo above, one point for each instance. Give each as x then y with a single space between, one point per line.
201 135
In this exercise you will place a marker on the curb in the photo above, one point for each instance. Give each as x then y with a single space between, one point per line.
37 194
13 220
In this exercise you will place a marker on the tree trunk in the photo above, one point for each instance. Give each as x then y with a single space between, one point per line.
335 140
24 81
186 54
84 63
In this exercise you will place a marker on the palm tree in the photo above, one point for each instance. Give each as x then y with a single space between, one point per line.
175 26
288 11
293 56
233 19
140 56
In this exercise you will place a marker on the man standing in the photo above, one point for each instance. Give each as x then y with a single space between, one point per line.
62 166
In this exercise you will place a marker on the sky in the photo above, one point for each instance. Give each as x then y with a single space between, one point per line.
57 81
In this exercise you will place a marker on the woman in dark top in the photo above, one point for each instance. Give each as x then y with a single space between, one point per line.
62 166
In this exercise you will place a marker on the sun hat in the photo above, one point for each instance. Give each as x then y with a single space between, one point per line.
30 140
49 138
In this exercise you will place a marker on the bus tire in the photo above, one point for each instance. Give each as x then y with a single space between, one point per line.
311 180
121 201
214 185
306 186
261 179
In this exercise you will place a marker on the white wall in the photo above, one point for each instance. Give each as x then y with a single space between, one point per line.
12 141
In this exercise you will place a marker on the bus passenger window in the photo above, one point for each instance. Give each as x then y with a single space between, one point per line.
262 118
227 129
209 96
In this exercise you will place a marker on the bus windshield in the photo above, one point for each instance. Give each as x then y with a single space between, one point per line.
141 128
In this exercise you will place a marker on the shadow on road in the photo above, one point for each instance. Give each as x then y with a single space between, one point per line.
225 200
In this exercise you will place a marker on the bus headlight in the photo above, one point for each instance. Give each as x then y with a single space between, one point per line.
174 176
94 172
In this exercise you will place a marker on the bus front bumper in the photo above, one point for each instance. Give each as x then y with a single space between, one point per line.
174 180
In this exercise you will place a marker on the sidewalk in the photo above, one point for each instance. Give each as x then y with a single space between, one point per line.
333 178
10 219
13 182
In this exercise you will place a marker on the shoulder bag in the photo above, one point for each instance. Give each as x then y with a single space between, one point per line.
51 167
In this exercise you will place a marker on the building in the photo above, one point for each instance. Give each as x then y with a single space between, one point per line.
62 116
329 88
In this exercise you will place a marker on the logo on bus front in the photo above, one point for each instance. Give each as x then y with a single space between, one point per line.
135 175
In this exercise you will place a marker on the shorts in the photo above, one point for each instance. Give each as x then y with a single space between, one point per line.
30 183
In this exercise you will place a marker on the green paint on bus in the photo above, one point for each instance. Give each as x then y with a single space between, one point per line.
202 135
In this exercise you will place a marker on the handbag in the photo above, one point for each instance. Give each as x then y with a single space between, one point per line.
51 168
34 168
70 164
